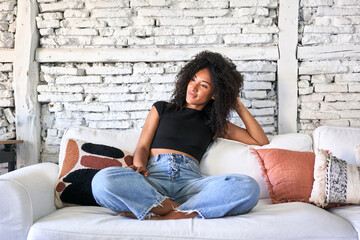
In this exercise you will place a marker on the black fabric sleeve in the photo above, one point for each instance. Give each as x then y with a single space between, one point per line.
160 107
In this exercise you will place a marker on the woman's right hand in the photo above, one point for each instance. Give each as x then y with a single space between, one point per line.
141 169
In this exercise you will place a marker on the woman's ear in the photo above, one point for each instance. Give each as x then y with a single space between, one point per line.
213 97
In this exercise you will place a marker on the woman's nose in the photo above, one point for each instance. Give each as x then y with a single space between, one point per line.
194 87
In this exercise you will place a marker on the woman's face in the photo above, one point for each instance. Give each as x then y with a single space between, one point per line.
200 90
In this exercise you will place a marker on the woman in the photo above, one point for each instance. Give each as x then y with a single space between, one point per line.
164 181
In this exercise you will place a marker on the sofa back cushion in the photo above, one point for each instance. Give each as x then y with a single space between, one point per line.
340 141
222 157
226 156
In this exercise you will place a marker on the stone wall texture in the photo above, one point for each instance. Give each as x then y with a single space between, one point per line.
7 23
329 89
119 95
7 31
168 23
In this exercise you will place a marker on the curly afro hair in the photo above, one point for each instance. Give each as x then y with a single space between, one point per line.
227 84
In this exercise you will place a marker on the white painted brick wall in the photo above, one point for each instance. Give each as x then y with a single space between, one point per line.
78 79
7 23
74 13
7 111
331 93
147 3
60 97
119 95
66 24
60 6
120 99
55 89
91 4
247 39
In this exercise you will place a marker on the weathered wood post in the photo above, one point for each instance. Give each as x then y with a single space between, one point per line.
26 77
288 66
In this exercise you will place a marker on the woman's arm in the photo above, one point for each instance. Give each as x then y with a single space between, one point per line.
253 134
142 150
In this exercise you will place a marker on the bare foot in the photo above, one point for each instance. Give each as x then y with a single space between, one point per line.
127 214
164 211
165 208
174 215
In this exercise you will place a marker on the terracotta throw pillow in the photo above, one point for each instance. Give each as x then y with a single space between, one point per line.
81 162
288 174
336 181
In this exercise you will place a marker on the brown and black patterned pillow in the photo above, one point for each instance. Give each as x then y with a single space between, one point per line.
81 162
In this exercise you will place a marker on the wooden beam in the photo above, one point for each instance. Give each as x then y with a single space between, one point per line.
26 78
6 55
288 66
149 54
329 52
11 141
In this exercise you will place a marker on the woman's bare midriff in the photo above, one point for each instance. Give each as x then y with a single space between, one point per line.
157 151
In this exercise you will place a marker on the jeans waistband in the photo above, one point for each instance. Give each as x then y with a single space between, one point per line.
175 156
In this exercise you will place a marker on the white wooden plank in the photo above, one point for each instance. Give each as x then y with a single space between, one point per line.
26 77
150 54
329 52
287 66
7 55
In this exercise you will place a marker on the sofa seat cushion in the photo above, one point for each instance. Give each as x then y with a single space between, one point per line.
294 220
351 214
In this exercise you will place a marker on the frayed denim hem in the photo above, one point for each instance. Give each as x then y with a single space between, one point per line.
200 215
147 213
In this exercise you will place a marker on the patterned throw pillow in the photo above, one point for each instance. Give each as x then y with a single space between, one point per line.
81 162
336 181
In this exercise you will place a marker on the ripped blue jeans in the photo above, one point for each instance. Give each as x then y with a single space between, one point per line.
176 177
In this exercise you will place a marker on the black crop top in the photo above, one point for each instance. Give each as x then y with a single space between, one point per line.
183 131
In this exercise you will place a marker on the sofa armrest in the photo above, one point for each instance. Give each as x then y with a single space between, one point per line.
27 194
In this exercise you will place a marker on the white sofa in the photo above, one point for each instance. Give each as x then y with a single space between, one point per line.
27 207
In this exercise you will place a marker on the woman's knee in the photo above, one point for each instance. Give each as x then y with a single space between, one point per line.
100 180
253 186
245 191
106 178
243 185
253 190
